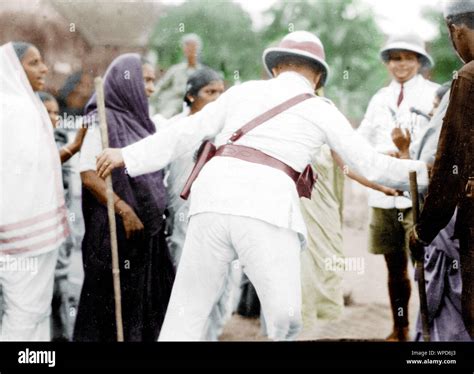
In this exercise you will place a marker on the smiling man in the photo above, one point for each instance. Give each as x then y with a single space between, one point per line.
392 107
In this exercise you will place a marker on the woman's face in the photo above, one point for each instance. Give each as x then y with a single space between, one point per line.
53 111
403 65
35 68
149 79
206 95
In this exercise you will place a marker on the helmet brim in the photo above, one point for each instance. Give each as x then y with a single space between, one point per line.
426 59
271 56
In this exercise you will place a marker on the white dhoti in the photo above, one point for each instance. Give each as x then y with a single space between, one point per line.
27 294
269 255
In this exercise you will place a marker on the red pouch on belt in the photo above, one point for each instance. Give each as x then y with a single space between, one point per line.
306 181
206 151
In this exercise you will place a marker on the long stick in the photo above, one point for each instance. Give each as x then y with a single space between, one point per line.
420 269
99 89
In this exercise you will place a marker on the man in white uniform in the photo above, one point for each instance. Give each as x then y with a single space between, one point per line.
247 210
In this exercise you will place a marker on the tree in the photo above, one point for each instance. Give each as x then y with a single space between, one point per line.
441 49
229 43
347 29
351 40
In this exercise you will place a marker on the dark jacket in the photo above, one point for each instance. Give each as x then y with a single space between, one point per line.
452 181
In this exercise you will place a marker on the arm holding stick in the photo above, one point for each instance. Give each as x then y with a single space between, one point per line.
132 224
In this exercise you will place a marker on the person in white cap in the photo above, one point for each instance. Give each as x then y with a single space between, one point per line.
244 203
451 189
399 107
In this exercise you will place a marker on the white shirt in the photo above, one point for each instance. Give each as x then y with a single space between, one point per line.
92 146
383 115
177 172
232 186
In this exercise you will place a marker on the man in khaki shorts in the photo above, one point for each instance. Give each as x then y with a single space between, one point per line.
400 107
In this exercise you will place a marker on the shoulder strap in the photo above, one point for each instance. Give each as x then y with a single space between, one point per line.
269 114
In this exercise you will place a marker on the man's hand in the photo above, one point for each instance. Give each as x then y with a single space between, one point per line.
417 247
390 191
401 139
108 160
132 224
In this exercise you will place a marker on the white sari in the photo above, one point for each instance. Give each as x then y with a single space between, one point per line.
33 217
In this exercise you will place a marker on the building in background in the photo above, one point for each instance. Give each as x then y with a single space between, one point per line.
76 35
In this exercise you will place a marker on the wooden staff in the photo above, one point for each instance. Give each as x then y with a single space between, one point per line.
420 269
99 89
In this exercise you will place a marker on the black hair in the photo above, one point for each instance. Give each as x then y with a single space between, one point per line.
198 80
46 96
292 60
461 19
21 48
390 51
69 85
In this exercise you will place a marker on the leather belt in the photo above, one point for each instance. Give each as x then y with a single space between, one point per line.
258 157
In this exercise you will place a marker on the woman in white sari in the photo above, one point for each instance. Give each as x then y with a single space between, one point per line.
32 209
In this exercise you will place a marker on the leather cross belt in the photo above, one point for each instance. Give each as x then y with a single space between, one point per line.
258 157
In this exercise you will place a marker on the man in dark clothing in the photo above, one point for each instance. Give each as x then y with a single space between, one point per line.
452 179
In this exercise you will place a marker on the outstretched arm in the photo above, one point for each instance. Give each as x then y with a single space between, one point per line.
364 160
158 150
364 181
69 150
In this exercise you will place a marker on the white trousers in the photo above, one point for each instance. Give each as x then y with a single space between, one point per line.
27 285
226 304
269 255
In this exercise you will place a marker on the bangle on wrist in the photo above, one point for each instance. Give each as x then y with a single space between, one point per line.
118 211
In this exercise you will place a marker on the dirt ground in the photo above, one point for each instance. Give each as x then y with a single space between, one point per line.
367 315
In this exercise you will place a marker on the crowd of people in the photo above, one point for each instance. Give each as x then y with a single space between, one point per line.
255 218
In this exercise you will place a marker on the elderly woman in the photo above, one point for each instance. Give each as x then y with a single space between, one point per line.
146 270
33 222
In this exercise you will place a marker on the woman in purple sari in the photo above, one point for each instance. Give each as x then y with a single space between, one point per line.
146 270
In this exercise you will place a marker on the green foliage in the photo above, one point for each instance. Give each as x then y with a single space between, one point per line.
351 40
347 29
229 43
443 53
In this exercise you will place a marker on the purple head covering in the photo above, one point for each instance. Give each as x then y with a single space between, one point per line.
128 121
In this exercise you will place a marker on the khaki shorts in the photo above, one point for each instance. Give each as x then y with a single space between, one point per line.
389 230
